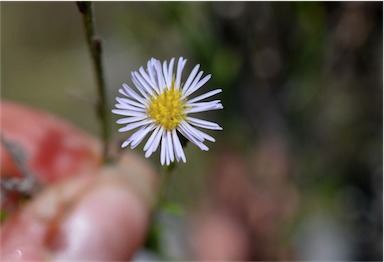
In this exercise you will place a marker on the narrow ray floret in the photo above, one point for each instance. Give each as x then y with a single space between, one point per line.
162 107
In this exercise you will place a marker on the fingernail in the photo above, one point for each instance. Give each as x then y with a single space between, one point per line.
108 223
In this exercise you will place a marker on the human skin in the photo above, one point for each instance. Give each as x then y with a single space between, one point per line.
50 147
86 210
98 216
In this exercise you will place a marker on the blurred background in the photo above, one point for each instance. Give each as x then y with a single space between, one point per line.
296 174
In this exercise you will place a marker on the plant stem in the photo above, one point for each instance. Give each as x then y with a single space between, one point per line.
94 43
156 228
165 182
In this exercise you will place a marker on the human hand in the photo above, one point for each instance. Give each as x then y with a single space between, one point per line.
101 216
86 211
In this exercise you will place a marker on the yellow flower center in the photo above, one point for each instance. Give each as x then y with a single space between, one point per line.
167 109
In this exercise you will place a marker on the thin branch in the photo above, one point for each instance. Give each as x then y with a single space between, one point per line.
94 43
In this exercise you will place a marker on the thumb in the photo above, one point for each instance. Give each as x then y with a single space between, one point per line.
101 216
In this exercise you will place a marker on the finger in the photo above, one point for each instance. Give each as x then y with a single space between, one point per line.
94 217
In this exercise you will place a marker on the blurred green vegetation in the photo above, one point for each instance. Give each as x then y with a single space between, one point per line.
305 74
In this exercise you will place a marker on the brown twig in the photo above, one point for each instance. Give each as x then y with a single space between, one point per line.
94 43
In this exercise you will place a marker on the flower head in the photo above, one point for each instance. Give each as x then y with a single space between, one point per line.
163 107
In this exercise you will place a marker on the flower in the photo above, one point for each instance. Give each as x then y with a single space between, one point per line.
163 107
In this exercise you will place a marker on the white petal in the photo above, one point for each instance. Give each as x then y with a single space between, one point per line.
125 143
190 78
135 125
170 72
129 107
165 73
152 75
129 140
148 88
163 152
191 131
160 77
170 146
204 135
198 104
147 78
124 112
127 120
198 85
192 138
151 138
128 101
203 123
179 152
143 134
143 91
187 88
134 95
180 67
123 92
155 143
166 150
206 95
204 107
139 86
193 83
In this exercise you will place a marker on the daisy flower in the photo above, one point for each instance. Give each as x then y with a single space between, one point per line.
163 106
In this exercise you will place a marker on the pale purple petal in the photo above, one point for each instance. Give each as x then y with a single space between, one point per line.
190 78
165 73
206 95
155 143
170 72
151 138
163 152
192 89
127 120
152 75
167 160
180 67
129 107
189 129
187 88
192 137
135 125
170 146
178 148
147 78
128 113
203 123
134 95
192 83
129 140
128 101
160 77
139 86
206 106
137 140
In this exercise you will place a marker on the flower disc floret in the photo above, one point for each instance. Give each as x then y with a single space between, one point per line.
167 109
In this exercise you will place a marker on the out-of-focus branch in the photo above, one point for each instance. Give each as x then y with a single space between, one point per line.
26 185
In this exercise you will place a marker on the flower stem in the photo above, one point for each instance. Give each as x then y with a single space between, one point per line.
94 43
165 182
156 229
